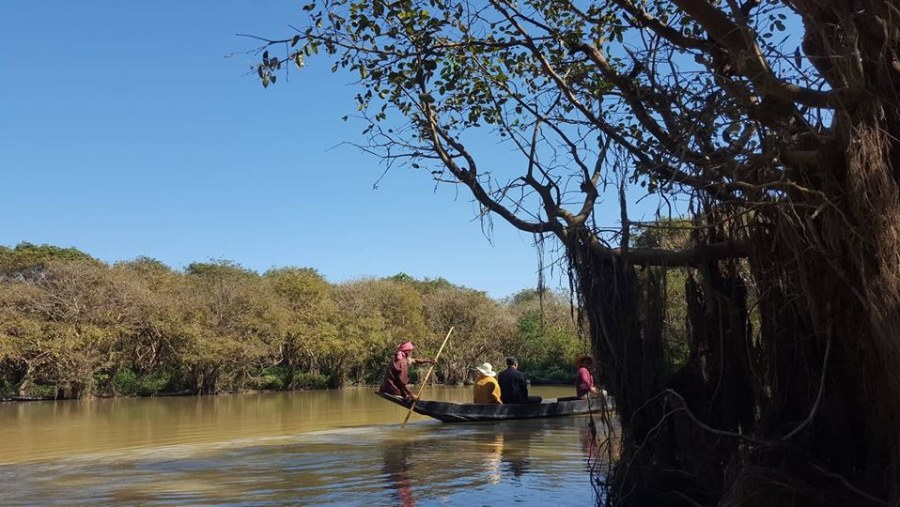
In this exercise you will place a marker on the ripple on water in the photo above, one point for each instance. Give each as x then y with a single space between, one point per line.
527 462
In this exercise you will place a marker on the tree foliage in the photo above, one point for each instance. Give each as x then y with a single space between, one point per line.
75 327
774 124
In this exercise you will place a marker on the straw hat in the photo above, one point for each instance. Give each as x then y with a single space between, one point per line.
487 370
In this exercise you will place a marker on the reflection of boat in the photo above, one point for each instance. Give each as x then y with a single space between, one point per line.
470 412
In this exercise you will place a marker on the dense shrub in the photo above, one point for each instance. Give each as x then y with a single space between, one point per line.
128 382
306 380
272 378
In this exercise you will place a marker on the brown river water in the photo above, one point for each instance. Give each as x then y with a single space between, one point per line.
304 448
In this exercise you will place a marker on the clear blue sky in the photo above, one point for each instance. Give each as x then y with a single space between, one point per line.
125 131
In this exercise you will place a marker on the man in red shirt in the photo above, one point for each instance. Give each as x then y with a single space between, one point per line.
396 376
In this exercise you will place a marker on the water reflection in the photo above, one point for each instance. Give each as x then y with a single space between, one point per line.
525 461
428 463
492 449
397 470
516 456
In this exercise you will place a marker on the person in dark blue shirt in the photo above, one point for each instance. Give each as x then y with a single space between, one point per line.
514 385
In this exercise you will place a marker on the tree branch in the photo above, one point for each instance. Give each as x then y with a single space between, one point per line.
747 57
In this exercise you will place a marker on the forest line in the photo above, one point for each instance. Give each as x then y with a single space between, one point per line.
72 326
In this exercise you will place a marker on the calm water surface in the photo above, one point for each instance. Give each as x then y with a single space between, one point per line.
306 448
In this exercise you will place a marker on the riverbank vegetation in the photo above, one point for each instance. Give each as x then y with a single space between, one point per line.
72 326
773 126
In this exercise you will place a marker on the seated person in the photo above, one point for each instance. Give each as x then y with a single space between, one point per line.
584 381
486 390
514 385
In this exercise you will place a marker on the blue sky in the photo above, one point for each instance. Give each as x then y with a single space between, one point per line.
125 131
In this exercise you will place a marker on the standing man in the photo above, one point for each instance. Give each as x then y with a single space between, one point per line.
514 384
396 376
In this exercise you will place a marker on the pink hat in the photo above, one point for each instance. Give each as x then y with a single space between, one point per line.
405 347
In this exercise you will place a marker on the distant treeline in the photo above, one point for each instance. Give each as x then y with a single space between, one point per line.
72 326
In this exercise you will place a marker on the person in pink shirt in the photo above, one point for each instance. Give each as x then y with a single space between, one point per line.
584 381
396 376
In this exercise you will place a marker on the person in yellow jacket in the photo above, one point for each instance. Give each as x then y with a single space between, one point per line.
487 390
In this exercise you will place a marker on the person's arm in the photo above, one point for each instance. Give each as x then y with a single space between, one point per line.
495 394
406 393
423 361
409 394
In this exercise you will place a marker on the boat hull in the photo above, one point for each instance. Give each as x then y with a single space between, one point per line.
470 412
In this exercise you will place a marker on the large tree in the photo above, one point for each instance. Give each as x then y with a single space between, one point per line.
774 123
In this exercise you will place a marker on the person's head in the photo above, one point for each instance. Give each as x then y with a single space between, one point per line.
485 370
512 362
405 347
584 361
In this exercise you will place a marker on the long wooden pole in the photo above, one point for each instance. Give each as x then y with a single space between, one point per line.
425 382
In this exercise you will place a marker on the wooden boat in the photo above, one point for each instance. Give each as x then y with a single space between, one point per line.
470 412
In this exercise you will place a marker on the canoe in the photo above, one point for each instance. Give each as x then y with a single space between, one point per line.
470 412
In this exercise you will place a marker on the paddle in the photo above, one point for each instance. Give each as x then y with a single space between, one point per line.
425 382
